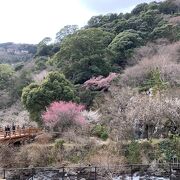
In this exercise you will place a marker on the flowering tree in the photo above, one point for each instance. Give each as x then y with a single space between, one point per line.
100 82
62 115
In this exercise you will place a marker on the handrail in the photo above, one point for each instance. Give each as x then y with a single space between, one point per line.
18 133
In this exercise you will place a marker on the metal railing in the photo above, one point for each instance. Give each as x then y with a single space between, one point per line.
93 173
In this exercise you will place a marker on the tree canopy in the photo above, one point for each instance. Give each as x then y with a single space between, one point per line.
65 31
123 45
54 87
85 54
6 76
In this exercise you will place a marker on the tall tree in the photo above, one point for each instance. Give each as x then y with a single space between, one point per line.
55 87
85 54
65 31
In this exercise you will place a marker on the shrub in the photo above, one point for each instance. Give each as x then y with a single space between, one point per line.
86 96
59 143
100 131
34 155
63 115
104 136
154 81
170 148
133 153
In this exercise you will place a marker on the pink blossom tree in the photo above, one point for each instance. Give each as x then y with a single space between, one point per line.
63 115
100 82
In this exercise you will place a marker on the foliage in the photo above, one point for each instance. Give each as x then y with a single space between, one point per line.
100 131
23 78
169 7
97 21
170 148
139 8
133 153
99 83
40 63
44 48
63 115
6 76
169 31
123 45
84 54
86 96
154 81
65 31
53 88
59 143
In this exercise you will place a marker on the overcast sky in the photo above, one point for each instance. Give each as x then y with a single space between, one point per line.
29 21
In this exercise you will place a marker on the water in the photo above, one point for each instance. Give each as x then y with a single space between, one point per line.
50 175
140 178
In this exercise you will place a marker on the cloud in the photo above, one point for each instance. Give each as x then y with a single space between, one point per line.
107 6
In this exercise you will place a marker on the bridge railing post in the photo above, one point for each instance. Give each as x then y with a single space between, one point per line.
4 174
131 166
170 171
95 173
63 173
32 171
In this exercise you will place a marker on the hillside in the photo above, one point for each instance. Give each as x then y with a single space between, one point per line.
16 53
107 94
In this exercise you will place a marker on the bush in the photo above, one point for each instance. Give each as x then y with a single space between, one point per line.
34 155
133 153
100 131
170 148
86 96
59 143
104 136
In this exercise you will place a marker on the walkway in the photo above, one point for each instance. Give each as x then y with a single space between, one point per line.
19 134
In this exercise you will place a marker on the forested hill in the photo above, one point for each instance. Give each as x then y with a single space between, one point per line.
107 42
14 53
119 75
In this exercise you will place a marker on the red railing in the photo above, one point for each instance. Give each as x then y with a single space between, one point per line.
18 133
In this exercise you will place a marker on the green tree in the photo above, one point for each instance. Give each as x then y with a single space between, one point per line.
6 76
85 54
169 7
65 31
139 8
44 48
55 87
123 45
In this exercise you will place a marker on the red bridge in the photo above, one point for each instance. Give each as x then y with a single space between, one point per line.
20 135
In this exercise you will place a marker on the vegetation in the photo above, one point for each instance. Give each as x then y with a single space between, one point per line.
6 76
54 87
108 93
85 54
62 115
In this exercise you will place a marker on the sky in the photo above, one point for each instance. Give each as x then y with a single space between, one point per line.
29 21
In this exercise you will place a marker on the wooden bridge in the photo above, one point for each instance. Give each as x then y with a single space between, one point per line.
19 135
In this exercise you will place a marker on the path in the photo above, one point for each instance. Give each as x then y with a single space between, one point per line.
19 134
